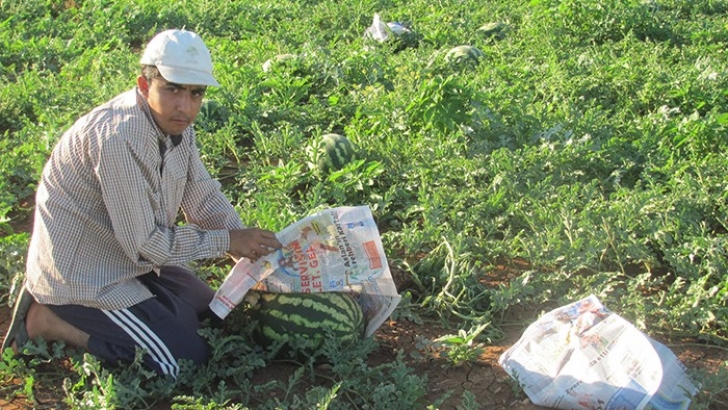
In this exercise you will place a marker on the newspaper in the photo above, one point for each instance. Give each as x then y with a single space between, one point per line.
335 250
582 356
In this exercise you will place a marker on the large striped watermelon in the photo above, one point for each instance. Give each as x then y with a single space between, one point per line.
302 321
335 151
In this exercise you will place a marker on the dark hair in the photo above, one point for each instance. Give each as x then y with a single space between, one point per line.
150 72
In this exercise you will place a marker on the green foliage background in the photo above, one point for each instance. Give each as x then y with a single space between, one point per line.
589 141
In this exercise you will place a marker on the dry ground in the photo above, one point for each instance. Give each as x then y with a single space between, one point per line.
484 378
491 386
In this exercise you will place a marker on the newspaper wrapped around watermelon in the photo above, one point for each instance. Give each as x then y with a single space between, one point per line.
334 250
583 356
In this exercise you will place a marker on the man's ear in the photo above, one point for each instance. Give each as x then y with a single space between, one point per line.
143 85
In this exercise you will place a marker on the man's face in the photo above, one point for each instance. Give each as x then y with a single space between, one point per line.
174 106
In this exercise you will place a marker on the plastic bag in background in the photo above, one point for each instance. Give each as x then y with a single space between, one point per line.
379 31
583 356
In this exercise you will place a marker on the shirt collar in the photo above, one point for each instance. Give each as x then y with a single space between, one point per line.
176 139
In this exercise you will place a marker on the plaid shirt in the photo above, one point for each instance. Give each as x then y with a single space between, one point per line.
106 209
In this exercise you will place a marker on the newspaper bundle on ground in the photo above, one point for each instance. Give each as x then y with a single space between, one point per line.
335 250
582 356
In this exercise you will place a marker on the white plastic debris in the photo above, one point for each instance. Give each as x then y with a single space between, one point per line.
380 31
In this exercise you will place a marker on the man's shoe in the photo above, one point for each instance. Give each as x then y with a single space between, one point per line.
17 331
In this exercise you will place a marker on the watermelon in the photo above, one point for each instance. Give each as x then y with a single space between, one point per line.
463 54
213 115
334 152
281 60
496 30
300 322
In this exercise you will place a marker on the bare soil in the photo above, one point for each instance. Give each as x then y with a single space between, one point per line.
490 384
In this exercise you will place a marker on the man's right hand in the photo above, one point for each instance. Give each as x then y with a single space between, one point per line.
252 243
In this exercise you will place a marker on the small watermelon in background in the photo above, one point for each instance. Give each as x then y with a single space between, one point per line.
301 322
496 30
334 152
281 60
464 53
213 115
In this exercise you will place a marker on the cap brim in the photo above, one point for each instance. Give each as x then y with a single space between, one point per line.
186 76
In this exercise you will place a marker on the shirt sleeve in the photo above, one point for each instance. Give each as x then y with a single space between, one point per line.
126 174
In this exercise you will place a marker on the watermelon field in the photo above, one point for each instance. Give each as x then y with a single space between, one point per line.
516 156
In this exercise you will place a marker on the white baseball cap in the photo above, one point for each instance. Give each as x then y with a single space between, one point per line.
181 57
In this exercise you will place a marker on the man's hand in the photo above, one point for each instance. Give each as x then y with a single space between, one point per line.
252 243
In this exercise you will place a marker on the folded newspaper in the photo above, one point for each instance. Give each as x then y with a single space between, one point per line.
582 356
335 250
